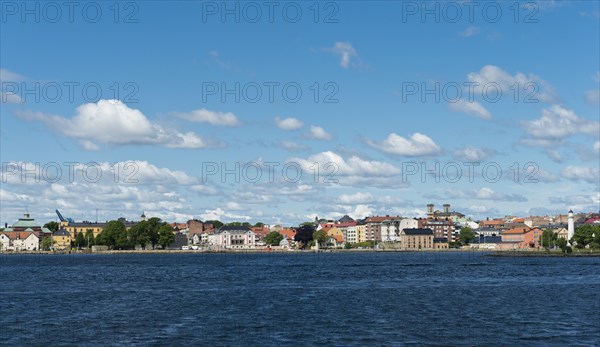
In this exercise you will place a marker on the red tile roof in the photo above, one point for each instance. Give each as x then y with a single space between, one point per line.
13 235
516 231
379 219
288 232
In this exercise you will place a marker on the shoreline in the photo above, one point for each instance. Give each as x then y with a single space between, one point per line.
488 253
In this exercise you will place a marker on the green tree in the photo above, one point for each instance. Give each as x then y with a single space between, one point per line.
89 238
273 238
52 226
548 239
165 236
46 244
141 233
466 235
80 240
587 235
154 225
304 235
100 239
320 236
259 224
114 235
562 244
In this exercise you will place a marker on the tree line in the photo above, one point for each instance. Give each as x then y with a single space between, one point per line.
151 233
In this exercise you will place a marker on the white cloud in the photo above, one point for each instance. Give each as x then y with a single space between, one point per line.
7 76
417 145
597 146
147 173
120 191
353 166
316 132
113 123
493 74
211 117
537 143
359 211
593 97
576 173
204 189
554 155
578 202
477 194
292 146
234 206
288 123
472 154
356 198
345 51
558 122
10 98
220 214
11 197
470 31
473 108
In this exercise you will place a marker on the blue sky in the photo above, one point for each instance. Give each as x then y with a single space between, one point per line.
163 57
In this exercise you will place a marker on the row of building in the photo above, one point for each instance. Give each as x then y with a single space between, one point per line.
437 231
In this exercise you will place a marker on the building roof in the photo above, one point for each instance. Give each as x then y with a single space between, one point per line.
379 219
263 231
487 239
418 231
495 222
440 239
26 222
338 238
345 218
345 224
62 232
233 229
448 214
436 221
14 235
516 231
179 226
593 221
289 233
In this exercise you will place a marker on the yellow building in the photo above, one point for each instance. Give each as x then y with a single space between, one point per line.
334 232
361 233
74 228
414 239
61 240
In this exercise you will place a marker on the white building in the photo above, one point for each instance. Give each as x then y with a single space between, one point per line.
17 241
391 228
350 234
233 237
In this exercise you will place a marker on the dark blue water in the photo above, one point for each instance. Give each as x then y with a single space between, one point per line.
377 299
